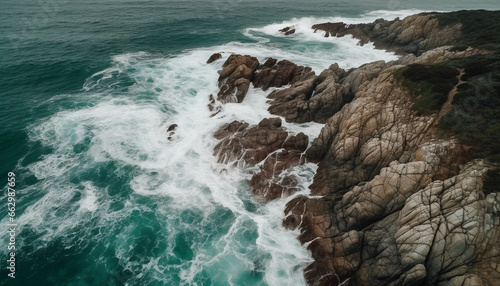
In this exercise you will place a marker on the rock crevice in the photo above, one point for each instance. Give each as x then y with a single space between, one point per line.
395 200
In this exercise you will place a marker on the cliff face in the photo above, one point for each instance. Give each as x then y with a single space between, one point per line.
406 191
399 205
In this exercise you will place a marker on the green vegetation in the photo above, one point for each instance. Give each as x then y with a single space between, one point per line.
480 28
475 118
429 84
459 48
492 182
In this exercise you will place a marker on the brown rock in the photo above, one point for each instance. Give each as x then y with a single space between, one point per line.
298 142
245 146
249 146
274 122
288 30
235 77
230 129
313 98
395 206
414 34
269 183
278 74
172 127
214 57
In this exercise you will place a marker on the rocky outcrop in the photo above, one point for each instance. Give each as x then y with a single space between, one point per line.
317 98
213 58
397 198
266 143
171 132
367 135
235 77
288 30
278 74
272 181
414 34
249 146
397 205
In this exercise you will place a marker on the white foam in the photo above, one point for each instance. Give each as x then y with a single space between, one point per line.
307 47
89 201
128 130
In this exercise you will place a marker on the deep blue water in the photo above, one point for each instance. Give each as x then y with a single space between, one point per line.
88 89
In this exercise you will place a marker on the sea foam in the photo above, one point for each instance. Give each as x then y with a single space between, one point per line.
163 207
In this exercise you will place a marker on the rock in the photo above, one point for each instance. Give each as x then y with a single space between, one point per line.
378 127
288 30
231 129
270 123
171 132
298 142
241 85
395 205
214 57
284 72
266 142
414 34
172 127
270 182
341 29
235 77
393 201
434 237
312 98
247 147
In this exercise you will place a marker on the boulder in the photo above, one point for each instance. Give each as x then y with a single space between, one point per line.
214 57
235 77
284 72
248 146
288 30
267 143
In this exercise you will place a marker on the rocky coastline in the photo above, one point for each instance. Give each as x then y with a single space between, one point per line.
407 190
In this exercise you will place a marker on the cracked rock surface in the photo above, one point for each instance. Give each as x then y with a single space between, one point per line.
392 202
396 206
267 143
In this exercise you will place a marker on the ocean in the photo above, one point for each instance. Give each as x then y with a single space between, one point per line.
88 90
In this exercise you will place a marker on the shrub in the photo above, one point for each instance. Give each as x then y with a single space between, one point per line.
428 84
459 48
479 27
492 182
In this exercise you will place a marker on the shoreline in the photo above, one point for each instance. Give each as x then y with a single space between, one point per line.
384 160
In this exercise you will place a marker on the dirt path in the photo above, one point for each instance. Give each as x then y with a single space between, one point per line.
447 106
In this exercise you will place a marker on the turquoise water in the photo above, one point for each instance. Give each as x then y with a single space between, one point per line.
88 90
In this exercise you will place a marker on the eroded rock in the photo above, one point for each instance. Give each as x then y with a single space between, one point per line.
235 78
397 206
213 58
248 146
277 74
414 34
267 143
